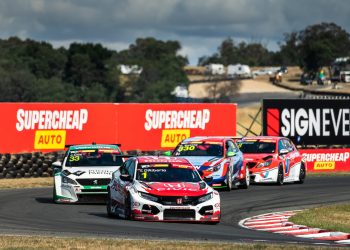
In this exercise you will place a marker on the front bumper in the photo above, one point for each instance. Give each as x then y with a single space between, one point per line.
146 210
68 193
265 176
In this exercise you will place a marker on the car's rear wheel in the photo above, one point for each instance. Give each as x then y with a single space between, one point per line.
280 176
246 182
127 208
302 174
109 205
228 180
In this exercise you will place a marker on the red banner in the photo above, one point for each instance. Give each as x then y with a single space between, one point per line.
327 160
28 127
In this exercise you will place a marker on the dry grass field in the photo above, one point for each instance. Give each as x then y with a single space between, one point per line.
26 182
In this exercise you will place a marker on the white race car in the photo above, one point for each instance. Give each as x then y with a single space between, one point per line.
85 173
161 189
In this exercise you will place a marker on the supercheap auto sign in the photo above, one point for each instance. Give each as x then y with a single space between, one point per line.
327 160
309 122
28 127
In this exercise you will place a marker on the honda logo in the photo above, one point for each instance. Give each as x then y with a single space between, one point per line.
95 182
179 201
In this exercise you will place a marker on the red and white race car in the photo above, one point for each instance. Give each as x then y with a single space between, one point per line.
272 159
161 189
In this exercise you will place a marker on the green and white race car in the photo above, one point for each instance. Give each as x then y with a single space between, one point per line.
85 172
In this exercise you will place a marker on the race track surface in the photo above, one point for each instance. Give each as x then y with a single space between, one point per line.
31 211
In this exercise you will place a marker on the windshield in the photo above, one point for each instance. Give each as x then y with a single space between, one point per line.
166 173
257 147
202 149
94 157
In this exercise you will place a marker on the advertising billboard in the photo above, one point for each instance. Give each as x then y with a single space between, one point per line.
28 127
327 160
308 121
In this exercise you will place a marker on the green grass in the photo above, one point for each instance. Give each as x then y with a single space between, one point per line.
331 217
44 242
321 174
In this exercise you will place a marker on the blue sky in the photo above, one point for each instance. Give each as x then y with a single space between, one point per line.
199 25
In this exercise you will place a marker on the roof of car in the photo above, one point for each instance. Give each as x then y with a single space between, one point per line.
94 146
162 159
202 139
272 138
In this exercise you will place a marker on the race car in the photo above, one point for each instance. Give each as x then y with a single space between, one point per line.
218 157
85 173
272 160
160 188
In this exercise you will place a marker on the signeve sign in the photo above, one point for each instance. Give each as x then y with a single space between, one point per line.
30 127
308 121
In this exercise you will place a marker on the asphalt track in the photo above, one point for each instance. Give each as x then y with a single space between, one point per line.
31 211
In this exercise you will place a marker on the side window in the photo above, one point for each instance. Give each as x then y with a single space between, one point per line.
230 146
280 145
131 169
288 145
124 167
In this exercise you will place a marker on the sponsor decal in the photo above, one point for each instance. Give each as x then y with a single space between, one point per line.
49 139
100 172
171 137
324 165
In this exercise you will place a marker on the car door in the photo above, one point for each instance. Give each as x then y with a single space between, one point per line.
236 160
289 157
119 184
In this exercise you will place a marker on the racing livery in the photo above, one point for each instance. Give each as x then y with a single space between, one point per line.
272 160
160 188
85 172
218 157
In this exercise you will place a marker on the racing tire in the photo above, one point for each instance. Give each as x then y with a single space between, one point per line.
302 175
109 206
54 195
127 208
229 181
246 182
280 176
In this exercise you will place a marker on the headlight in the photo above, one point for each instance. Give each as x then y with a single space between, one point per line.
148 197
265 164
214 168
205 198
67 180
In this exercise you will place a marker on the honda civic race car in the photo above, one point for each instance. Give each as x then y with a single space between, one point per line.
218 157
85 173
161 189
272 159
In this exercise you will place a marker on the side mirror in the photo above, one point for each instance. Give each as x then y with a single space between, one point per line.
57 164
126 177
208 179
284 151
230 154
167 153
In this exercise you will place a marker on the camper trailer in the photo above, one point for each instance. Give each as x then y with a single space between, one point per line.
215 69
239 70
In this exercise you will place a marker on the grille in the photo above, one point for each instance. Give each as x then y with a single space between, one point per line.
251 164
179 214
94 190
92 182
173 200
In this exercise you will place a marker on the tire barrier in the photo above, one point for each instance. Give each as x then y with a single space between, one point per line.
28 164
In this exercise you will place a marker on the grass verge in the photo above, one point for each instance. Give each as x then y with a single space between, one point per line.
332 217
36 242
26 182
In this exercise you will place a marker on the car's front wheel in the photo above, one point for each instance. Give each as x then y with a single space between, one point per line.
280 176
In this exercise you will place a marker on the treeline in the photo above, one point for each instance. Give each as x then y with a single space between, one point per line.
314 47
32 71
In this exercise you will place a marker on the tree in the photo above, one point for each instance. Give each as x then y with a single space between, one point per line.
318 45
162 70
